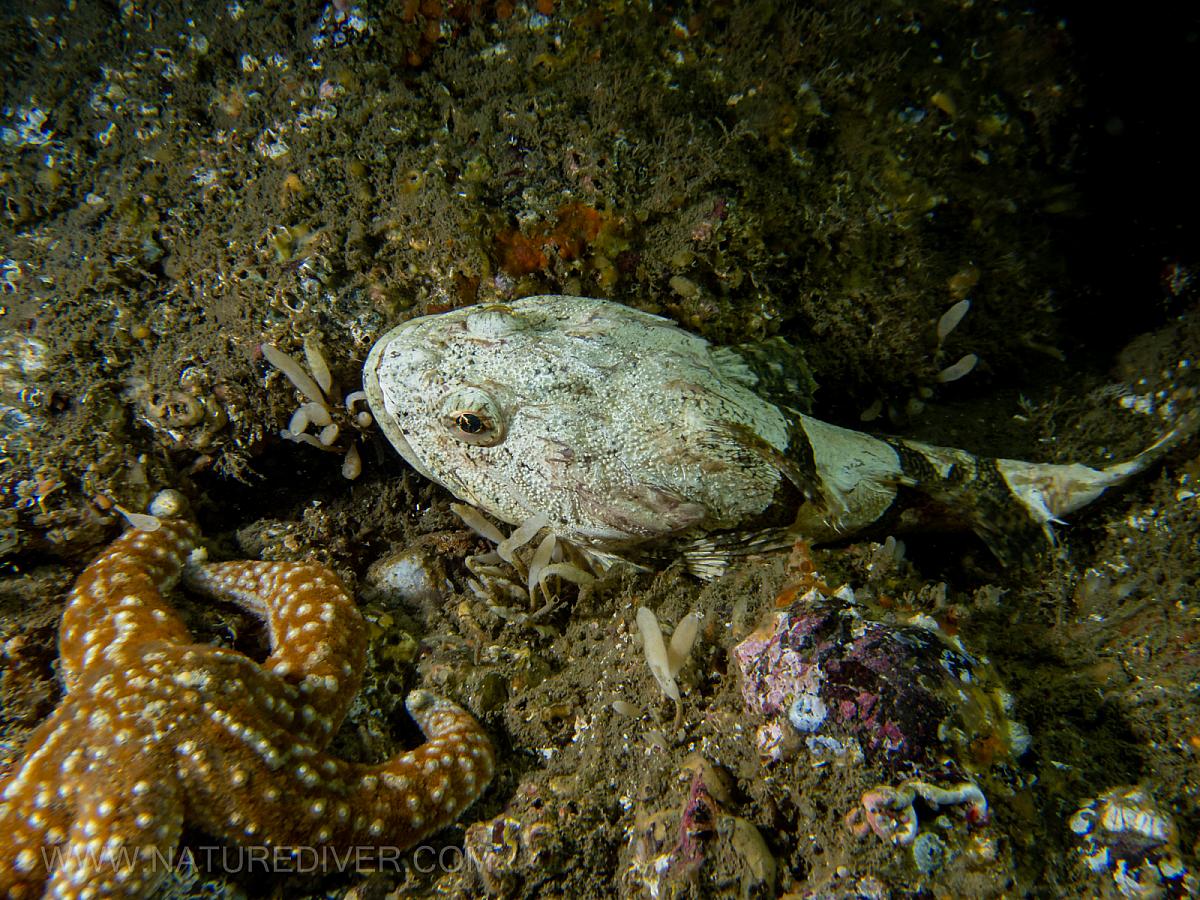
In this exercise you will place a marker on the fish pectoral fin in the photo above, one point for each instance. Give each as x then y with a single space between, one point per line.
774 369
1015 541
710 556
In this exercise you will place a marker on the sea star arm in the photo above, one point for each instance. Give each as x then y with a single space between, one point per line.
35 815
117 602
305 798
155 728
318 640
424 790
128 819
93 811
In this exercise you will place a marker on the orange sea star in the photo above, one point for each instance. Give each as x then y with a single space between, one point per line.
155 730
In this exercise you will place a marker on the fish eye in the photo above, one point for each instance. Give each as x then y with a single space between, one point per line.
470 422
471 415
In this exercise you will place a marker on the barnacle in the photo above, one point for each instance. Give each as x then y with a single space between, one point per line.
175 409
1125 835
891 814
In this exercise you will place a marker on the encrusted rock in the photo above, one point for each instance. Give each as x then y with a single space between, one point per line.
701 850
902 695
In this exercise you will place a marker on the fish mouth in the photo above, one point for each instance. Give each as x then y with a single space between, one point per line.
377 359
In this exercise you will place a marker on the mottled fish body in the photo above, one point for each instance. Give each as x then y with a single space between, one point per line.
622 429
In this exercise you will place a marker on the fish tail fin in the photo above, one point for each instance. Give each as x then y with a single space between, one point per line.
1051 491
1014 505
1185 429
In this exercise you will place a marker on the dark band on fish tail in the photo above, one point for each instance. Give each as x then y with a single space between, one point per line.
797 466
803 461
974 491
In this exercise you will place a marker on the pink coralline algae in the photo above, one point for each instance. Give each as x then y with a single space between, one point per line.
824 669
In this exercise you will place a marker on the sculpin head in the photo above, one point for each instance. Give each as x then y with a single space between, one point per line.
616 424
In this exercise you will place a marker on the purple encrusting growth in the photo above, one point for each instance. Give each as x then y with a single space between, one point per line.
887 686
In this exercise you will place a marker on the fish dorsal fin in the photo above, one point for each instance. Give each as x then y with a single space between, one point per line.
773 369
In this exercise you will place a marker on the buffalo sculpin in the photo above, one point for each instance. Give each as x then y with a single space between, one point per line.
620 431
